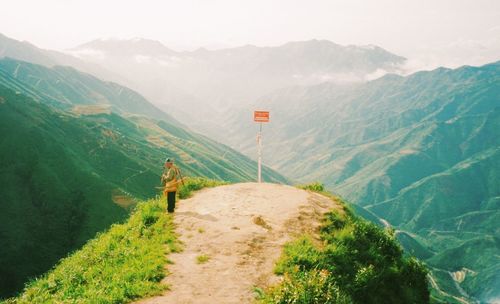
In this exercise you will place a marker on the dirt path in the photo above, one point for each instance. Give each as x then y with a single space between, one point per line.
241 228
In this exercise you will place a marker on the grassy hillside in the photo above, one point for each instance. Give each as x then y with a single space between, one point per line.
25 51
67 175
354 261
125 262
67 87
86 96
421 152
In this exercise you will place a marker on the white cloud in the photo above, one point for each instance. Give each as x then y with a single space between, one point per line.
87 53
143 59
170 62
454 54
376 74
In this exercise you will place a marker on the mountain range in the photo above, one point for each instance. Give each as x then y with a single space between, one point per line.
202 86
421 152
25 51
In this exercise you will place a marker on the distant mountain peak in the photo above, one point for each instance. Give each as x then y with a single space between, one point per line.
122 40
135 45
311 43
323 44
368 47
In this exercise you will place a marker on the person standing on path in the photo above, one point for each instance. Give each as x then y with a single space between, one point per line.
170 181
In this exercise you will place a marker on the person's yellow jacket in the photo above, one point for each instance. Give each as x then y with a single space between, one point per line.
171 180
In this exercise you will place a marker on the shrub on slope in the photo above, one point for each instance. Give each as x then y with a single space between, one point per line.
357 262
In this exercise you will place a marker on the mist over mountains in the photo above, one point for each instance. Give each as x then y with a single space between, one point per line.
200 86
25 51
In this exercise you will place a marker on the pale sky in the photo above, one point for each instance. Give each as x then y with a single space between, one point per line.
428 32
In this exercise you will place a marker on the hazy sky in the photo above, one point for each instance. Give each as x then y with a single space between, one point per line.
428 32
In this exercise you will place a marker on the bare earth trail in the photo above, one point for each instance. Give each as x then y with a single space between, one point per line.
242 229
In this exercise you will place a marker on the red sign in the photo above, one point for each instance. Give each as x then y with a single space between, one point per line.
261 116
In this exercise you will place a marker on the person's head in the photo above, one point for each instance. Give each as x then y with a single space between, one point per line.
169 162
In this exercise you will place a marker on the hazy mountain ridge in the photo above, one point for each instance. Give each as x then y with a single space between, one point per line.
308 56
202 88
136 46
209 82
67 86
25 51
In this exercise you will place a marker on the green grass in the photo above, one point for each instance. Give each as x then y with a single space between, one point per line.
124 263
298 255
315 186
196 183
203 258
356 262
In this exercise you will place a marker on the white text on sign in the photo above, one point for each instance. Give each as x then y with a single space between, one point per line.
261 116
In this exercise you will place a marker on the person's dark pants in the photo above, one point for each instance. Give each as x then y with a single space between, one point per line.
170 201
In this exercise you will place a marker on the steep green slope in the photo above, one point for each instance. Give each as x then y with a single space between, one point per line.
422 152
123 263
66 176
465 186
351 261
53 198
69 87
84 95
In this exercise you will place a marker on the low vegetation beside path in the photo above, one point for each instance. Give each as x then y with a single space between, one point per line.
354 261
124 263
192 184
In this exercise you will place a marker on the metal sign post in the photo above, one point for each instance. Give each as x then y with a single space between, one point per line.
259 145
260 117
